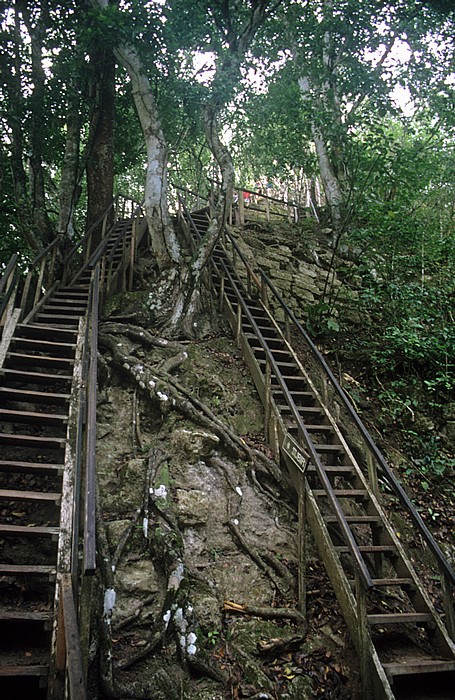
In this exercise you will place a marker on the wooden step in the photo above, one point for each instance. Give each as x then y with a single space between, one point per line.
342 493
418 666
368 549
39 441
55 308
333 470
303 410
11 416
11 495
42 331
21 671
58 363
356 519
29 467
56 321
47 346
399 618
27 569
29 530
36 397
24 377
28 616
384 582
329 449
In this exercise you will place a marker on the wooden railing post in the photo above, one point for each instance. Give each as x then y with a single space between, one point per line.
373 474
447 600
267 208
241 220
39 282
363 638
302 549
239 323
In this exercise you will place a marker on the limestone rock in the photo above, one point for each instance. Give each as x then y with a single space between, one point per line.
192 507
194 444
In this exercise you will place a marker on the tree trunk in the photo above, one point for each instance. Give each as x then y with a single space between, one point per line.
36 175
100 163
70 169
165 245
332 186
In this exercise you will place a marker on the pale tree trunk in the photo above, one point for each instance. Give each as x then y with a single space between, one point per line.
165 245
333 189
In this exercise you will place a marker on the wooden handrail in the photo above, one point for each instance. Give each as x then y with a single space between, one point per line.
371 445
373 448
74 664
90 467
304 435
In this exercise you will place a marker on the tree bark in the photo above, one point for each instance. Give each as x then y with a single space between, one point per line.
70 169
165 245
100 163
36 172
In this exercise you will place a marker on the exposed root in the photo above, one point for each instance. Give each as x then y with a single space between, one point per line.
258 560
266 613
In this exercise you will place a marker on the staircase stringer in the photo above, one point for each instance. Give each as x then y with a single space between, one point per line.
68 520
381 689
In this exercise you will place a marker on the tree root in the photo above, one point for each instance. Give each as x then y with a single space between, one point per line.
258 560
266 613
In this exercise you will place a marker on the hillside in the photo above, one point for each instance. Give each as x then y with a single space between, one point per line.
197 518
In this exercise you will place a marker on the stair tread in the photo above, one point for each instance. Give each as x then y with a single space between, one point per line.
367 548
8 465
13 495
32 439
418 665
355 519
29 529
37 342
392 582
7 413
34 358
34 616
39 569
25 670
396 618
35 328
341 492
27 395
40 376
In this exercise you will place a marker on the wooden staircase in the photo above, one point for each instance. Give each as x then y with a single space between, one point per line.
35 389
404 648
45 363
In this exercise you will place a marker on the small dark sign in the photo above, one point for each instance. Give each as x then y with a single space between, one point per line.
293 450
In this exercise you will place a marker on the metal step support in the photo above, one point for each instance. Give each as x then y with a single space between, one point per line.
338 497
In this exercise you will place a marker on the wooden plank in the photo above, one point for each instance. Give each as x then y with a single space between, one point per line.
32 441
29 396
73 647
35 670
11 495
28 530
399 618
7 334
27 377
14 416
21 616
16 466
419 665
27 569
